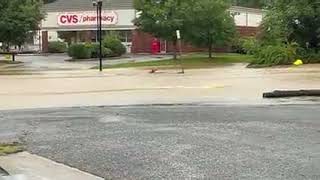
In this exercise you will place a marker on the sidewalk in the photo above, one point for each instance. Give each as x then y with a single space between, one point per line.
25 166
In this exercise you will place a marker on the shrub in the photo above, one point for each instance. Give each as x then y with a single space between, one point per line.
312 58
114 44
80 51
250 45
237 46
309 55
247 45
275 55
57 47
106 52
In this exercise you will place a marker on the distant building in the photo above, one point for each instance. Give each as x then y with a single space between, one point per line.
75 21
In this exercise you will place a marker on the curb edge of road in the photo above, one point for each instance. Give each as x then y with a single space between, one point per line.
212 104
3 172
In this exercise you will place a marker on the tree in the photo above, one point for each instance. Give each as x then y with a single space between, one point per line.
19 20
48 1
250 3
208 23
293 21
161 18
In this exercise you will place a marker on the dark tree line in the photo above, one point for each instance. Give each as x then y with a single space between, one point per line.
250 3
48 1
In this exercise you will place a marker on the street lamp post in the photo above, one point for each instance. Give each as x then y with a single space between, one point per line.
98 4
97 12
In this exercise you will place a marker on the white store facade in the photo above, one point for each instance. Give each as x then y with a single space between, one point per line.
75 21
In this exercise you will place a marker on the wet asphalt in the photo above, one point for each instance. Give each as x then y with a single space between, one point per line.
175 142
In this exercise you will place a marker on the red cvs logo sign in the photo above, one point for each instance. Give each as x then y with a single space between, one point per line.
86 18
67 19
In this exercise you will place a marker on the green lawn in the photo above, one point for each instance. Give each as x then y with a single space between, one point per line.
10 149
191 61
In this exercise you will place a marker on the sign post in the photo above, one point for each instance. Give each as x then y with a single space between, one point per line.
180 50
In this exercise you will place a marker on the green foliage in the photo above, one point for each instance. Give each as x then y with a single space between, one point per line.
204 23
111 47
161 18
6 149
247 45
113 43
308 55
275 55
236 45
80 51
95 48
19 19
57 47
208 23
250 45
296 23
48 1
250 3
191 61
293 21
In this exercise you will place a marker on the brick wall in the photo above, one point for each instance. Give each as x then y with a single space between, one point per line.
247 31
141 42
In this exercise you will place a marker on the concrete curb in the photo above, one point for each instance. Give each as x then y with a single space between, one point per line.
3 172
34 167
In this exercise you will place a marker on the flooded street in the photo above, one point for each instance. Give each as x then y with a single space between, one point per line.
82 87
159 89
128 123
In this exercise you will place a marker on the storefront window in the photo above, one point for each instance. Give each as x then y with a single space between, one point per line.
84 36
124 35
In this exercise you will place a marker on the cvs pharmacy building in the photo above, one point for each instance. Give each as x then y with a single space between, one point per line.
75 21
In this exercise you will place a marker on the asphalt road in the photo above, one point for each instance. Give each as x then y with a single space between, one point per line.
175 142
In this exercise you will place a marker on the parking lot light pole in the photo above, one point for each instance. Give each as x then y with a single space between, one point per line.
97 15
98 4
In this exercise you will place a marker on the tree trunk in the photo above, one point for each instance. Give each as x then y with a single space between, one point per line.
210 48
210 51
7 48
175 49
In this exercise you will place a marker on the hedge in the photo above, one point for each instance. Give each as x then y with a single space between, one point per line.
112 47
106 52
79 51
114 44
275 55
57 47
